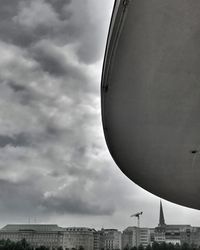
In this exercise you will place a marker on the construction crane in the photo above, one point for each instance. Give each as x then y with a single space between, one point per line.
137 215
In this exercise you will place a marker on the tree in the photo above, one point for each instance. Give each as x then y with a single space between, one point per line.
42 248
185 246
148 247
171 246
25 245
163 246
126 247
140 247
134 248
60 248
177 247
193 247
155 246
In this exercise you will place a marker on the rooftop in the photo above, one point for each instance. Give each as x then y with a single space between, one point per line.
78 229
32 227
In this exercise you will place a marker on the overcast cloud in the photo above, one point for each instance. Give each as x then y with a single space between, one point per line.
54 164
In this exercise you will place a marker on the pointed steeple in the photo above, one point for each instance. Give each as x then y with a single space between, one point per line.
161 218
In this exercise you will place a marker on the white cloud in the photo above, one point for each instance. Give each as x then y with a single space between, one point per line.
37 13
53 158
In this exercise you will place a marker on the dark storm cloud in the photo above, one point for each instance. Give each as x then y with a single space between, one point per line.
15 141
74 205
8 9
55 62
17 87
59 6
14 195
25 22
53 158
51 62
9 30
47 119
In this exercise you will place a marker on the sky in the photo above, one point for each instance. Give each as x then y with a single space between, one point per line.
54 163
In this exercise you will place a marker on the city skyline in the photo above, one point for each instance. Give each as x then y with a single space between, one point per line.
54 163
162 215
53 236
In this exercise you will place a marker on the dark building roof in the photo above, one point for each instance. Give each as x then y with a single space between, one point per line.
32 227
178 225
79 229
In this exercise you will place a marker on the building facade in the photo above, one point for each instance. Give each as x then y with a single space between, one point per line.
99 240
130 237
134 236
144 236
112 239
176 234
36 235
193 236
77 237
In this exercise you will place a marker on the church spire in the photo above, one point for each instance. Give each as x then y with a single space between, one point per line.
161 218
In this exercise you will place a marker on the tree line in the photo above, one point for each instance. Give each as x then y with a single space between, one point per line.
164 246
19 245
24 245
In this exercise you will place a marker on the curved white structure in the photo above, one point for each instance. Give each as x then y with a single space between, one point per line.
151 96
